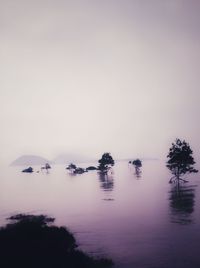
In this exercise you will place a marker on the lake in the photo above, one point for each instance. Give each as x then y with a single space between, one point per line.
138 221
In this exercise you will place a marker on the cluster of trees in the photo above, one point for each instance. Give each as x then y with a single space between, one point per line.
105 164
180 161
30 169
75 170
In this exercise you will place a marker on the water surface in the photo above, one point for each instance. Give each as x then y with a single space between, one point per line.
138 221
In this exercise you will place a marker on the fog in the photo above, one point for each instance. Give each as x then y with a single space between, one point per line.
98 75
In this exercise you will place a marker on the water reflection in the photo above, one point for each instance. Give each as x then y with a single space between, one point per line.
182 200
138 173
106 181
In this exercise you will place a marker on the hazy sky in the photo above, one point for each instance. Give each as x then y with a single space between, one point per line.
90 76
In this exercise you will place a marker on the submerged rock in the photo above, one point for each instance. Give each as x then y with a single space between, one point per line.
91 168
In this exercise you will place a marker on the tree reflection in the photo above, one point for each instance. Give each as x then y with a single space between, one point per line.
182 200
138 173
137 164
106 181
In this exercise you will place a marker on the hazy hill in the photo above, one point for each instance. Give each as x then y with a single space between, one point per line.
72 158
142 158
28 160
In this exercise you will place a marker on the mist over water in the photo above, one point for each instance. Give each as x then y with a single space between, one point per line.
93 76
137 221
84 77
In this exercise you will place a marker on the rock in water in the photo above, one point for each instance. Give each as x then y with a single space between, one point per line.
91 168
28 170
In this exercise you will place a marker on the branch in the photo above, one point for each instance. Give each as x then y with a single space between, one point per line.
172 178
183 180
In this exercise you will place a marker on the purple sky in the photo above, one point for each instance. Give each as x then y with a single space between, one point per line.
94 76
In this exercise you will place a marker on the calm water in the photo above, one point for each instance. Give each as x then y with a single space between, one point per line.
140 222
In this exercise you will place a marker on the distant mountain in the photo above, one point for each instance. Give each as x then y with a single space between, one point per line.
72 158
143 159
29 160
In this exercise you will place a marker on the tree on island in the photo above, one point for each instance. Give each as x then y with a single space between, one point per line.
106 162
71 167
180 161
137 163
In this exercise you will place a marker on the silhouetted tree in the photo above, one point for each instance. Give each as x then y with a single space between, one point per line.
71 167
180 160
106 162
137 163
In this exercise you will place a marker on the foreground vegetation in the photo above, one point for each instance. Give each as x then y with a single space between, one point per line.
30 241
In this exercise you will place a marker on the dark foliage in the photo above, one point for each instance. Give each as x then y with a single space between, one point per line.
137 163
75 170
180 160
29 242
71 166
79 170
106 162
